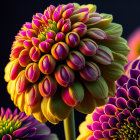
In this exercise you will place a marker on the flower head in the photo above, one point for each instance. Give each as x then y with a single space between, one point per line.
19 126
119 119
134 44
64 57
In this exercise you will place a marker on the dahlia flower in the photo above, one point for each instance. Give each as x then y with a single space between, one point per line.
134 44
119 119
21 127
69 56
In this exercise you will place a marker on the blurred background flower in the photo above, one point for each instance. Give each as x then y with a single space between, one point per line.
65 57
19 126
134 44
119 119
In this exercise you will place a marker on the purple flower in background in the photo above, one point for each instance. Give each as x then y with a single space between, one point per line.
21 127
119 119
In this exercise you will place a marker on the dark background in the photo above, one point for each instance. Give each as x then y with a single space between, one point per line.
14 13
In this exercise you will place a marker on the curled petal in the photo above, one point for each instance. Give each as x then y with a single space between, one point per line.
60 36
27 44
64 75
32 72
73 95
76 60
35 41
88 47
35 54
60 51
67 13
72 39
80 17
47 64
51 34
32 95
21 82
67 26
48 86
31 33
16 68
80 28
24 58
103 55
60 23
96 33
44 47
91 72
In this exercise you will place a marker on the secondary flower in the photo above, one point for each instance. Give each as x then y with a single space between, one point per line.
134 44
69 56
19 126
119 119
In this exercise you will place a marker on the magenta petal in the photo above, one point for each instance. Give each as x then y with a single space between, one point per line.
95 116
126 112
112 100
110 109
131 82
8 113
121 103
105 125
100 110
121 92
131 104
134 73
7 137
136 112
96 126
104 118
113 132
98 134
134 93
2 112
113 121
106 134
121 117
131 119
122 80
90 127
91 138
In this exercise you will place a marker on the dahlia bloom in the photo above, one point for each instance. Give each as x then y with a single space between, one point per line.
21 127
119 119
69 56
134 44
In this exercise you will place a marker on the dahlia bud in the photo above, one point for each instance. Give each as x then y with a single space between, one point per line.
91 72
15 69
88 47
96 33
67 13
47 64
60 51
35 41
60 24
80 28
73 95
35 54
15 52
24 58
50 41
32 95
32 72
51 34
36 23
64 75
103 55
21 82
44 47
31 33
60 36
67 26
79 17
72 39
76 60
27 44
48 86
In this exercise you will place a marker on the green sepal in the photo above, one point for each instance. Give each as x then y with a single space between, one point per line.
88 104
97 89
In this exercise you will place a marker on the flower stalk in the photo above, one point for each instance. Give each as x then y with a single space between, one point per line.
69 126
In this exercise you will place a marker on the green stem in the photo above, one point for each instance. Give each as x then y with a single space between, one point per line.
69 127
